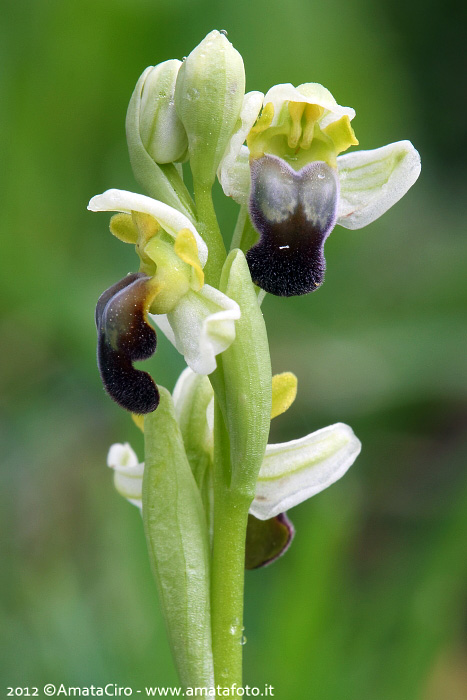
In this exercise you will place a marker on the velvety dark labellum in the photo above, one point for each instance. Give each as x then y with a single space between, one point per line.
123 337
267 540
294 213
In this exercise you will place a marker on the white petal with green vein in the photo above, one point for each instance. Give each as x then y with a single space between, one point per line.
373 181
294 471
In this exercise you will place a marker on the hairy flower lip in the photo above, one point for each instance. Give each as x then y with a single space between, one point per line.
201 324
124 336
371 181
267 540
294 212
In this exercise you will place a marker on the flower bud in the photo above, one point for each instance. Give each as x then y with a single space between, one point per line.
161 130
208 98
153 132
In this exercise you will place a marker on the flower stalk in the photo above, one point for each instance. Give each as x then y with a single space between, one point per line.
209 227
228 563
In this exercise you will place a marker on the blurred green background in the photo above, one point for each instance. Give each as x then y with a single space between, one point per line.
370 602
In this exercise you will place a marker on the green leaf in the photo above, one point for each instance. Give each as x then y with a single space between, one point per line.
177 539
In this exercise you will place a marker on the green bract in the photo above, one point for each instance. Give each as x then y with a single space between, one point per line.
246 413
177 538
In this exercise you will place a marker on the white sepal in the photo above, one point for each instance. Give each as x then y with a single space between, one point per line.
128 476
183 390
295 471
373 181
236 180
201 326
171 220
228 171
182 396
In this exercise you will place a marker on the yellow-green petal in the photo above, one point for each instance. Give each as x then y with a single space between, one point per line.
123 228
284 391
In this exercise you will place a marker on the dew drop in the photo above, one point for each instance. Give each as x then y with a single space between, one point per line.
243 640
235 628
192 94
224 32
321 176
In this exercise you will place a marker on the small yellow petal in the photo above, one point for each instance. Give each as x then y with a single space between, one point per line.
265 119
187 250
342 134
123 228
284 391
255 139
138 420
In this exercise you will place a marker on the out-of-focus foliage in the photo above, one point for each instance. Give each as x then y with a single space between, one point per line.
370 600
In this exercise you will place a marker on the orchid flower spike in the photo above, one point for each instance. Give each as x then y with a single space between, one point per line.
297 186
169 289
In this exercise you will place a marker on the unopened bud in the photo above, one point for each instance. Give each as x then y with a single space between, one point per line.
208 98
161 130
155 136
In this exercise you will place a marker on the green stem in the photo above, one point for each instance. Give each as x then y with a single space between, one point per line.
245 235
210 231
239 226
228 564
249 236
176 181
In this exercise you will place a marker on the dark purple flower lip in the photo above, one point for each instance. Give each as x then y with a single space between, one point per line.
267 540
123 337
294 212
